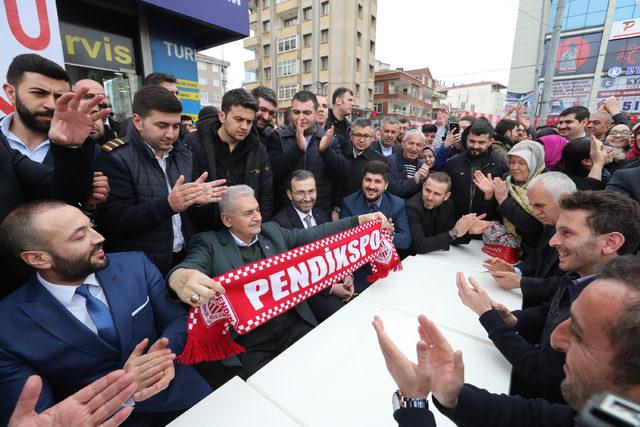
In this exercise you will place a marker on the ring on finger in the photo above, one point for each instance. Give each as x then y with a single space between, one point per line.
195 298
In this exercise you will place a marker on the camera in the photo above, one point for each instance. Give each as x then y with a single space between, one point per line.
607 410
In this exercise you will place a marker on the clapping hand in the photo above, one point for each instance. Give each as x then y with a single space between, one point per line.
500 190
326 140
474 297
72 122
497 264
153 370
212 191
484 183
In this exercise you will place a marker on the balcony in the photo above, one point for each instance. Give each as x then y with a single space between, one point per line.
287 8
252 43
253 64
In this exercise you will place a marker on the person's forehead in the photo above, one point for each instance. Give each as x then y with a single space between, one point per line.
160 116
572 219
538 192
266 104
59 223
567 118
246 202
31 79
436 186
94 87
322 100
464 123
240 111
479 138
170 86
358 129
515 159
374 176
389 126
412 139
302 106
303 183
620 128
600 304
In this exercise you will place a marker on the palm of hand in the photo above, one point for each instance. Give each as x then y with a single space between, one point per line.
70 126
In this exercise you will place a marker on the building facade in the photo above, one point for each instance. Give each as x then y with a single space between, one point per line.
316 45
475 99
598 55
404 94
212 77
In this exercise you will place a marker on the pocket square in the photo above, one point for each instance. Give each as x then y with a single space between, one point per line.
141 307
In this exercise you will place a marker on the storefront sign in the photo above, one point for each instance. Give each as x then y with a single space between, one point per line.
27 27
96 49
625 88
569 93
576 54
624 54
173 52
515 98
624 29
228 14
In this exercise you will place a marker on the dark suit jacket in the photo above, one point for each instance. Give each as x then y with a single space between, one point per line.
289 218
378 147
47 340
626 181
399 184
217 253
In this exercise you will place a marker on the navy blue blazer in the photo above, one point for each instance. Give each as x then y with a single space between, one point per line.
38 335
390 205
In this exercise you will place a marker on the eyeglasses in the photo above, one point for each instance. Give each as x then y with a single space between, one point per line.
304 193
620 133
361 136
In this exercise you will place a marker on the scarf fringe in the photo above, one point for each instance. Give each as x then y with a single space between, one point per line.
208 349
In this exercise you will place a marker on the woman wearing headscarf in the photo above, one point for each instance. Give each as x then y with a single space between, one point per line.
525 161
553 145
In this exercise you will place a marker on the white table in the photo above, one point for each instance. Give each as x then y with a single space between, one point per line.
336 375
468 256
235 404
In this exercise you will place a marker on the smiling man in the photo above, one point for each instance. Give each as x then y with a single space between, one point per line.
406 170
154 183
593 227
33 85
572 122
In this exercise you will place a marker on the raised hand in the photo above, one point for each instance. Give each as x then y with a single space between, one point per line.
413 380
505 313
473 297
421 173
452 139
484 183
182 196
520 117
611 105
500 190
93 405
300 139
326 140
72 122
447 368
212 191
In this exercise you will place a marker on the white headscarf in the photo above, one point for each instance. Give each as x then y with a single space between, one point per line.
532 152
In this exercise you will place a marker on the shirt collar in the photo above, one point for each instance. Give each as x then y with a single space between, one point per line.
65 293
301 214
5 128
153 152
239 242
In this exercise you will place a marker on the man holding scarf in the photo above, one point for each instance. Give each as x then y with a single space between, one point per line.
244 241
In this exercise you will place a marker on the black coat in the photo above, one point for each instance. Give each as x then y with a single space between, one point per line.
137 214
466 196
289 218
257 175
353 181
21 180
543 262
395 148
399 184
626 181
527 226
527 346
341 130
430 227
325 166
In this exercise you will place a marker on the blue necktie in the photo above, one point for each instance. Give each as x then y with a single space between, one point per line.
373 208
101 316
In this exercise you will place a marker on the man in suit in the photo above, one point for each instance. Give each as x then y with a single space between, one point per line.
300 213
432 219
374 198
544 193
626 181
85 314
389 130
599 340
245 240
406 170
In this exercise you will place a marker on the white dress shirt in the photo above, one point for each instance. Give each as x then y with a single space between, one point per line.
303 215
239 241
176 221
76 304
37 154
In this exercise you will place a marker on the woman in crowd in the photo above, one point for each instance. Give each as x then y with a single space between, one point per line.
583 162
428 156
553 145
634 151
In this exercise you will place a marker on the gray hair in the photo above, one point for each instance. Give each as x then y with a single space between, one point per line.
390 120
227 202
556 184
300 175
410 132
604 114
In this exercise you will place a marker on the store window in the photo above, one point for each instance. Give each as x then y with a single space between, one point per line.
580 14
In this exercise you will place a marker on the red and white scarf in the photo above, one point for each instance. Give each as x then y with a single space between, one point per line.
258 292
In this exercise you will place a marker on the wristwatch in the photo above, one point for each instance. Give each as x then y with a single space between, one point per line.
399 401
453 233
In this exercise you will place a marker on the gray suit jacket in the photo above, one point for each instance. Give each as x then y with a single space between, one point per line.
215 253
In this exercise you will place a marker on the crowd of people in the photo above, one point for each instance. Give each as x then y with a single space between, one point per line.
110 230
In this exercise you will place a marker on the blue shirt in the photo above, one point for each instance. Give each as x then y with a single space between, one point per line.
37 154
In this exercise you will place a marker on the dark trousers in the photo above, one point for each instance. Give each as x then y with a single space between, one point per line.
270 339
323 305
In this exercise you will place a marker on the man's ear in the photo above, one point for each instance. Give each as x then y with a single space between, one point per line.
225 220
612 243
10 91
446 196
39 260
137 121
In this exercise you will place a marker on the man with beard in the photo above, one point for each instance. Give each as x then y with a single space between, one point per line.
33 85
505 136
361 136
593 227
389 130
432 219
470 190
267 105
342 101
85 314
373 197
572 122
112 128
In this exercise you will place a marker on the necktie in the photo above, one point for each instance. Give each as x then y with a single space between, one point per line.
100 315
373 208
307 220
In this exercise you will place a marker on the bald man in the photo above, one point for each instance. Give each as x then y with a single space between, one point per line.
112 128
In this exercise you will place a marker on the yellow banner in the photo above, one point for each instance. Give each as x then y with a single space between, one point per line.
188 84
193 96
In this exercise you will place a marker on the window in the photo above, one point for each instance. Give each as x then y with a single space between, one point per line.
217 96
306 12
288 67
202 80
266 26
379 87
267 73
265 3
324 36
371 70
392 87
372 46
251 76
290 21
584 13
216 82
266 49
358 62
216 68
377 107
202 66
373 21
287 91
204 97
370 92
306 40
306 66
285 44
306 87
359 38
359 11
325 7
324 62
357 91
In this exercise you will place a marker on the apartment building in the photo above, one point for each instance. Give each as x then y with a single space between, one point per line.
212 77
404 94
317 45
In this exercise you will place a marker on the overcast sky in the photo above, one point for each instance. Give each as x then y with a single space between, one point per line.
461 41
